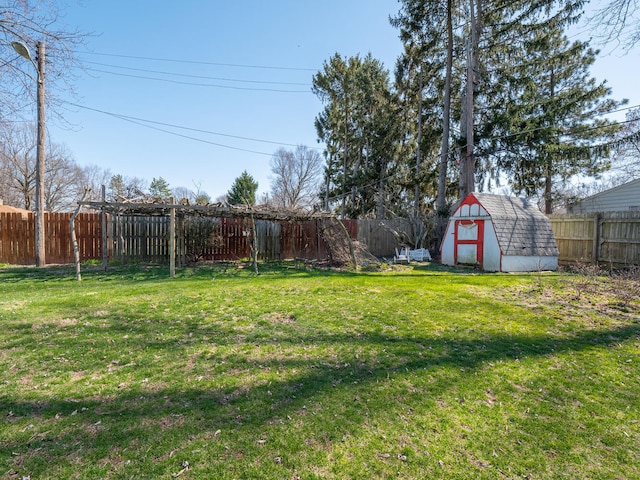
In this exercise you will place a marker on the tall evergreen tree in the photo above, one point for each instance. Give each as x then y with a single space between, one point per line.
424 81
357 126
243 191
554 118
488 43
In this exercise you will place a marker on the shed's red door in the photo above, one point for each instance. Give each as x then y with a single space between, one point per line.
468 242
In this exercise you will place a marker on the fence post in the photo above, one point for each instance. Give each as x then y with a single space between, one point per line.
596 238
103 218
172 240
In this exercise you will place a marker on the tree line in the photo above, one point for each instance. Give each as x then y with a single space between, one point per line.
486 94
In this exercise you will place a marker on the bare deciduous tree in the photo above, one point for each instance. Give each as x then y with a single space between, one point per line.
95 177
618 21
29 22
296 176
192 197
17 163
122 188
625 163
63 178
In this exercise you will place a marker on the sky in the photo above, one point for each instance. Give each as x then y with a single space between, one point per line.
198 91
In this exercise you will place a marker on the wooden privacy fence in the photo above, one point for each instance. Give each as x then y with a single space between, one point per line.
607 238
145 238
17 237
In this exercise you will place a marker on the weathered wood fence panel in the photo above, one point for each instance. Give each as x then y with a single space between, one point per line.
301 240
139 238
619 239
88 236
268 236
230 240
608 238
380 241
58 246
575 237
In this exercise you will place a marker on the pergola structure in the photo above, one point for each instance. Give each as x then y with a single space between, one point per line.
173 209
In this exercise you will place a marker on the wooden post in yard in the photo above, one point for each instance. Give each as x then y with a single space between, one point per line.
172 240
596 238
74 240
103 215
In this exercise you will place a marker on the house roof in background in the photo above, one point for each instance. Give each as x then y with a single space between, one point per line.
10 209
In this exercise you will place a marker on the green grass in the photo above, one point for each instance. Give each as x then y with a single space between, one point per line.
412 373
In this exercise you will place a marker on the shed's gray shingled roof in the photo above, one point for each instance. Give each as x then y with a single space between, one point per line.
521 228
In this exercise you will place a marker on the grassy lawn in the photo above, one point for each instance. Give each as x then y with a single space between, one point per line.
414 373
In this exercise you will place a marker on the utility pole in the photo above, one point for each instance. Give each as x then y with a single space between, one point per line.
22 50
40 234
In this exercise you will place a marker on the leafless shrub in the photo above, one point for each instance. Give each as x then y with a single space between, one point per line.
587 278
620 287
199 236
626 283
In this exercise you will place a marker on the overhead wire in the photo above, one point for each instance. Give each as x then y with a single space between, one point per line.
167 80
191 138
146 122
159 72
199 62
453 149
150 123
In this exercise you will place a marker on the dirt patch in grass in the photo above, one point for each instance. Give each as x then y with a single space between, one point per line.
280 318
592 300
67 322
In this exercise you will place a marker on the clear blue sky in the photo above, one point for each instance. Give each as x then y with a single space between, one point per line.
239 69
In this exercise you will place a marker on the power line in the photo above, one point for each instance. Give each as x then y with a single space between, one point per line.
167 80
198 76
197 62
145 122
191 138
569 133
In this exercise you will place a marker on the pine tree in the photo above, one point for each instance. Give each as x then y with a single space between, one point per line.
358 128
424 81
486 45
243 191
554 118
159 188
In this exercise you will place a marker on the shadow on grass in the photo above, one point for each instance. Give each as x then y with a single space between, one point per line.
140 274
144 273
160 419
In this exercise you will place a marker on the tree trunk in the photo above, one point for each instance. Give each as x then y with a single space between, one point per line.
468 161
74 240
416 204
446 115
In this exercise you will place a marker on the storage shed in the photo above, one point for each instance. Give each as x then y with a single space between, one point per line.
499 233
